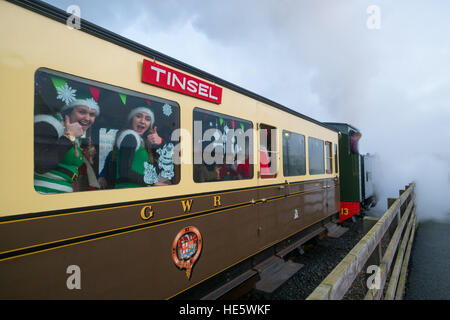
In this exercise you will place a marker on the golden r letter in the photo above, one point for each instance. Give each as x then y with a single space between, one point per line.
217 201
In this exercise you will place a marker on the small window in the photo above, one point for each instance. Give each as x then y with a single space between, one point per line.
89 136
294 154
316 156
329 159
223 147
267 151
336 159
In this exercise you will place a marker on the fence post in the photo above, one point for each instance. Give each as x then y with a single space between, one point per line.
376 256
393 282
395 223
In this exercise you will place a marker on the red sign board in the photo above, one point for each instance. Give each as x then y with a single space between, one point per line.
170 79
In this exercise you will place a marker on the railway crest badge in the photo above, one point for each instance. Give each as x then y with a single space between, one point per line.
186 248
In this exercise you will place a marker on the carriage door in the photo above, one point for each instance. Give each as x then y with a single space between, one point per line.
330 183
267 165
268 155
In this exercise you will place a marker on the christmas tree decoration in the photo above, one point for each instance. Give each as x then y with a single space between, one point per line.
150 175
165 161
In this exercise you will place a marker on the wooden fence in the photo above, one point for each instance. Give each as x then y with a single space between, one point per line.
374 250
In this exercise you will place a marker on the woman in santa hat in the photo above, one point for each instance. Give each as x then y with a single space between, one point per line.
57 143
135 151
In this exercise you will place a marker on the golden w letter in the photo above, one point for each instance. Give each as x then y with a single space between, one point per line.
187 204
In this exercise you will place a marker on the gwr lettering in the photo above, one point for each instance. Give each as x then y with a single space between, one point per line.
186 205
146 212
217 201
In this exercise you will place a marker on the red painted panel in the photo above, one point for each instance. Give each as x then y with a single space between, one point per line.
348 209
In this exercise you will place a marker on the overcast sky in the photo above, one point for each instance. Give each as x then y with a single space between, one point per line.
384 70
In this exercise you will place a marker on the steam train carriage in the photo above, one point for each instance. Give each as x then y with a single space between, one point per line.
192 217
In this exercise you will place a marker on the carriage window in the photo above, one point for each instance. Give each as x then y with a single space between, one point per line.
316 156
294 154
336 160
90 136
329 159
223 147
267 151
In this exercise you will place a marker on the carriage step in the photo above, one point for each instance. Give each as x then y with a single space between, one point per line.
334 230
274 272
230 285
297 244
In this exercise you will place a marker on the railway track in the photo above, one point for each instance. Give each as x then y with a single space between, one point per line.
319 256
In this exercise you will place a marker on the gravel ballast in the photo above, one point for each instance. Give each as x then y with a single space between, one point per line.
319 258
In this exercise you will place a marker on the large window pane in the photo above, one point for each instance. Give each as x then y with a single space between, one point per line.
294 156
223 147
90 136
316 156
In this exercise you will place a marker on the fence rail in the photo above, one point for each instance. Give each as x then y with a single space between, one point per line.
390 227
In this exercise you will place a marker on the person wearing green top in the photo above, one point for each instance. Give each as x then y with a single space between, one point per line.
136 162
58 153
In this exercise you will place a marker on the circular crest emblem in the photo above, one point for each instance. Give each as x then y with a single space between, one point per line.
186 248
